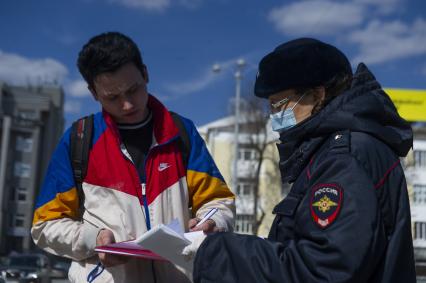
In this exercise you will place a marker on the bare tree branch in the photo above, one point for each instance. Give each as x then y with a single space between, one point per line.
253 123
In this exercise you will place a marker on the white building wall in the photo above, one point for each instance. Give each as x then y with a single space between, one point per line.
219 137
416 179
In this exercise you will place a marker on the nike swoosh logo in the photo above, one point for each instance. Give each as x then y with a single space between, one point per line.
162 168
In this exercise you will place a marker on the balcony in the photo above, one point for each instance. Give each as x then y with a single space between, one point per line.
244 204
246 168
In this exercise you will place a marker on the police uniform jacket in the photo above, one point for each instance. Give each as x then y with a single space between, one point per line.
347 216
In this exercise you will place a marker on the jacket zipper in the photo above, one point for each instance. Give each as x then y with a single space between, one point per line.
144 182
145 205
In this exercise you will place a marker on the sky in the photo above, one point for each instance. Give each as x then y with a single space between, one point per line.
180 41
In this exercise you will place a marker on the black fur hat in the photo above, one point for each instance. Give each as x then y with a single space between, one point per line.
303 62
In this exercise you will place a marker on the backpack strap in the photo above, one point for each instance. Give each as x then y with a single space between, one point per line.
80 143
183 142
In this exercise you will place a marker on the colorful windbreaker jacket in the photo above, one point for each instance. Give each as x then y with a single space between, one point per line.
113 197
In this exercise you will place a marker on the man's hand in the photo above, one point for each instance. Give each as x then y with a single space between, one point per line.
106 237
207 227
191 250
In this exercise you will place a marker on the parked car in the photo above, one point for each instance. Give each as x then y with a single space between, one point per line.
60 268
2 277
27 268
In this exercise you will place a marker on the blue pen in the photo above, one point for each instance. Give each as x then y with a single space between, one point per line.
207 216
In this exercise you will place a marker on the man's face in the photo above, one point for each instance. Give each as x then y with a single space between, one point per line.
123 93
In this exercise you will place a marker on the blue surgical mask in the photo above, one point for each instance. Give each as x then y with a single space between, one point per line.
285 119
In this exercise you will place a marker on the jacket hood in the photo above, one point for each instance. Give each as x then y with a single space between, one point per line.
365 107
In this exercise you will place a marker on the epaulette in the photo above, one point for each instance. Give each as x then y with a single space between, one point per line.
340 142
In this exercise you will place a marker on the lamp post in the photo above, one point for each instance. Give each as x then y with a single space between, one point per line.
240 64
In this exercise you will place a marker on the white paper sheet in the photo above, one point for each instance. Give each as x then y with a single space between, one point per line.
167 241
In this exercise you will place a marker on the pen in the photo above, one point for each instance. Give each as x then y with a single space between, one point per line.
207 216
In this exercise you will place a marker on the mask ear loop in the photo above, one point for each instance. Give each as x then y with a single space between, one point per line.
297 101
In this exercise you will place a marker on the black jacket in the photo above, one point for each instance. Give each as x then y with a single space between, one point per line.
347 216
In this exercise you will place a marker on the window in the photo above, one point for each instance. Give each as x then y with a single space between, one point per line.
21 194
24 144
244 223
22 170
17 220
420 231
247 154
27 114
18 194
420 158
419 196
245 189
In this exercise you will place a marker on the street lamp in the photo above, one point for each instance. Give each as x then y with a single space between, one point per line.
240 64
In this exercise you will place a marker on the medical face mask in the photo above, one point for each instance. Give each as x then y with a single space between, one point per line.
285 119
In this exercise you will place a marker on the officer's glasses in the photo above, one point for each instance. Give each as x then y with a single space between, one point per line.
277 106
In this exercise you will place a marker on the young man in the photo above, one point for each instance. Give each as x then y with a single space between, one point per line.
136 178
347 215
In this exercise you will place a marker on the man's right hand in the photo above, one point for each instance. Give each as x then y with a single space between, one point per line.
106 237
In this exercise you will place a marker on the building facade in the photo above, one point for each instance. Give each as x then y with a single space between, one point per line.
31 122
415 170
220 139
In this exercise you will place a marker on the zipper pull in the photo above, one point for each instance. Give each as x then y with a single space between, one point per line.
145 205
143 189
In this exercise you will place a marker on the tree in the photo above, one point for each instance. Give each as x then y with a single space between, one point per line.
257 136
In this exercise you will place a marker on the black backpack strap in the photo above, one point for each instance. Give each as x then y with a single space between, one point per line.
184 143
80 143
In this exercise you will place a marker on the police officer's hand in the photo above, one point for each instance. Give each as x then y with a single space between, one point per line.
208 226
106 237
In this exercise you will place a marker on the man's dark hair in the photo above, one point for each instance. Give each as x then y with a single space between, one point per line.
107 52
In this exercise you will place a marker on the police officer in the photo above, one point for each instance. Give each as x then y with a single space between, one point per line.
347 216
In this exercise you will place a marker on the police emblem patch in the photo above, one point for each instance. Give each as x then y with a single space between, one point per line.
326 201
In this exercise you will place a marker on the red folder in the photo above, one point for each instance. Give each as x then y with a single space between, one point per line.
139 252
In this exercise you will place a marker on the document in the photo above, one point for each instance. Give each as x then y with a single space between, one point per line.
163 242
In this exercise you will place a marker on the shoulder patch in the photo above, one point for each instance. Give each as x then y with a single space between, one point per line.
325 203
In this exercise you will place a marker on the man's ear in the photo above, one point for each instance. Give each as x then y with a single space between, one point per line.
93 92
145 73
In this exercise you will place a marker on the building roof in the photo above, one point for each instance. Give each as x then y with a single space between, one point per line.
221 123
227 124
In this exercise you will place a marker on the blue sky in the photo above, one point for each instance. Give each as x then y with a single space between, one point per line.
180 41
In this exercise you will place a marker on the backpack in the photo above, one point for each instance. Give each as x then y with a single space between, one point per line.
81 142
